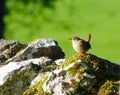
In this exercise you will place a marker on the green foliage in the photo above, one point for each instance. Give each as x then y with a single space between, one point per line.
60 19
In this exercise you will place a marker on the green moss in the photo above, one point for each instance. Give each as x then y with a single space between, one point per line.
79 89
48 68
69 61
93 64
76 69
92 61
109 88
36 89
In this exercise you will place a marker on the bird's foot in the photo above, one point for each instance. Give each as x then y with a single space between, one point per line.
81 54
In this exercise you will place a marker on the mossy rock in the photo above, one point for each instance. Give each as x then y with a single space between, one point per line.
110 88
103 70
85 75
36 89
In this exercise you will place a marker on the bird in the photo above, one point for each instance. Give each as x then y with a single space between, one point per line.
81 46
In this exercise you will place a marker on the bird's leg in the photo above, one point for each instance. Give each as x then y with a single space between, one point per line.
81 54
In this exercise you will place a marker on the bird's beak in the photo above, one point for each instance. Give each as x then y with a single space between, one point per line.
70 38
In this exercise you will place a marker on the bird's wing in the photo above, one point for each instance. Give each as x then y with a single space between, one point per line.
85 45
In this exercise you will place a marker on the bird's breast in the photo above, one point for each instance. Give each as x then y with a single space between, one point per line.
76 46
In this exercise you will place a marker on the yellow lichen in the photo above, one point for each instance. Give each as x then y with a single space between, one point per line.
19 52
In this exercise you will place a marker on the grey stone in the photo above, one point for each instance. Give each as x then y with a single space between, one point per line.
8 49
38 48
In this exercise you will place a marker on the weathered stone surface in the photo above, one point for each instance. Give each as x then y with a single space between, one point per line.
8 49
21 68
39 69
39 48
15 77
3 58
78 76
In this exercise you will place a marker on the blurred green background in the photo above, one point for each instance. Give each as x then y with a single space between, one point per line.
27 20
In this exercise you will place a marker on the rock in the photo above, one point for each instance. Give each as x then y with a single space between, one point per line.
59 61
39 48
8 49
15 77
22 68
78 76
40 69
3 58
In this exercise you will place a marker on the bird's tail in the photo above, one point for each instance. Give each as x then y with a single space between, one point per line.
89 37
